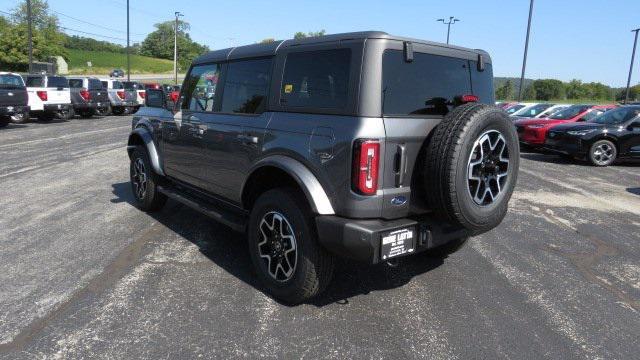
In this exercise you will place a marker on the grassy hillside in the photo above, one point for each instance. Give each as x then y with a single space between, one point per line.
104 62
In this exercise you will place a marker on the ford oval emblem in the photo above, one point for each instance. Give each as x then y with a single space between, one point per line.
399 200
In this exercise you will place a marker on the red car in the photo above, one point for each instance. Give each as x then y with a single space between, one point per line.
532 132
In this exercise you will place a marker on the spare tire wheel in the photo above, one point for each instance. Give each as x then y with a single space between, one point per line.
471 167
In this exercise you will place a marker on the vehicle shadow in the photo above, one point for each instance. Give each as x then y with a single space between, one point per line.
634 191
228 249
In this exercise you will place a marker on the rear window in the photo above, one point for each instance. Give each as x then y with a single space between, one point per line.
95 84
10 81
35 81
57 81
429 84
316 79
75 83
117 85
130 85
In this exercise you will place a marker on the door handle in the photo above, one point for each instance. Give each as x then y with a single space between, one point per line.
198 129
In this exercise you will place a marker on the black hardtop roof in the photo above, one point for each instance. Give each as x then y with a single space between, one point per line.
270 49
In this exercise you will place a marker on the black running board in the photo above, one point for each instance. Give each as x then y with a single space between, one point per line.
229 218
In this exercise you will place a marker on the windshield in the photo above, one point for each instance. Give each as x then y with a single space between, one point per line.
532 111
570 112
592 114
57 82
514 108
11 81
617 116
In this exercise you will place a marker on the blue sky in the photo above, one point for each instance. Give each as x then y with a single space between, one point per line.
588 40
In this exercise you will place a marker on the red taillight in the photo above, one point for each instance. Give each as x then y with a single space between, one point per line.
468 98
174 96
120 94
366 160
42 95
142 93
85 95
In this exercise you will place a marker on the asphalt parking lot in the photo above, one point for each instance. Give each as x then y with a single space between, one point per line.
84 274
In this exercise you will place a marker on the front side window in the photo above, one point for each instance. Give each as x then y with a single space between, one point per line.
514 108
200 88
57 82
426 86
316 79
246 86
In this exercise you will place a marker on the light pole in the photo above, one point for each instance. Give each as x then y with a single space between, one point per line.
175 49
29 36
128 51
633 55
452 20
526 49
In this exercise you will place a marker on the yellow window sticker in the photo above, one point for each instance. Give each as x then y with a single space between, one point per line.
288 88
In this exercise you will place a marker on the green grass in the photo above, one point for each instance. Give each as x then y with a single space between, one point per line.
104 62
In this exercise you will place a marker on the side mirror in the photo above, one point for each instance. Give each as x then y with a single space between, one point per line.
154 98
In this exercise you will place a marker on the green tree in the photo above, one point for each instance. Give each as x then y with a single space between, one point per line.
547 89
159 43
575 90
267 40
45 24
529 93
505 91
301 35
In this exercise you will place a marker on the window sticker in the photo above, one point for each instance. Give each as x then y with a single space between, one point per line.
288 88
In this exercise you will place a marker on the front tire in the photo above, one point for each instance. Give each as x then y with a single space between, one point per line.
284 247
602 153
144 182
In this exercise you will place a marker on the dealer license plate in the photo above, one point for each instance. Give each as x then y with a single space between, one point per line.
397 242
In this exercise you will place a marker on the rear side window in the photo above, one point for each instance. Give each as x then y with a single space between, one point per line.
57 81
425 86
75 83
35 81
482 82
316 79
245 87
200 88
95 84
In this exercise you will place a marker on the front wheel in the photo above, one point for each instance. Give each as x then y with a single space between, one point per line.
144 182
284 247
602 153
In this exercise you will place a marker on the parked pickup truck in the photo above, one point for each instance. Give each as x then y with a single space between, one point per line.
13 99
363 146
123 101
49 96
88 97
138 88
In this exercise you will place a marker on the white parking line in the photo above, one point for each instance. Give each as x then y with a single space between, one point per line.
65 136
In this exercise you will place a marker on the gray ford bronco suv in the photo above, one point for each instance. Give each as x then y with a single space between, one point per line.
362 145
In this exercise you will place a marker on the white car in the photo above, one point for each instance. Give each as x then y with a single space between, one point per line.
49 96
517 107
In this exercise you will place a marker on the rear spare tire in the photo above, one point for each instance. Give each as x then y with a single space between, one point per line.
471 167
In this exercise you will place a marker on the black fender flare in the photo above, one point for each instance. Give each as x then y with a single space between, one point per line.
147 139
318 199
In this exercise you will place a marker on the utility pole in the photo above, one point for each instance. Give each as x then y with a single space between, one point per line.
633 56
175 50
452 20
29 36
526 49
128 51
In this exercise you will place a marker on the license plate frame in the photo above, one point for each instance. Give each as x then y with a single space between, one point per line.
397 242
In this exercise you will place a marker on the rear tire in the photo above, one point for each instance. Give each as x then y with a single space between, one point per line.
4 121
471 167
20 118
117 110
144 182
66 115
284 247
86 114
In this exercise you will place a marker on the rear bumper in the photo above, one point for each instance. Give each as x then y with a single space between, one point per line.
361 240
85 106
13 110
56 107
